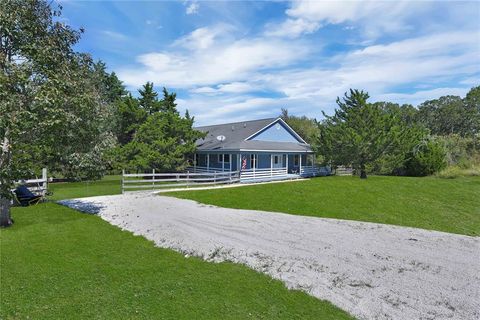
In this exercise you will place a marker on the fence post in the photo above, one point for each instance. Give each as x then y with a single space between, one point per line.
215 177
153 179
45 180
123 177
188 178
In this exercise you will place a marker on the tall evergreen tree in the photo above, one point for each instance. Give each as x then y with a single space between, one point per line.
360 133
149 98
163 142
130 116
168 102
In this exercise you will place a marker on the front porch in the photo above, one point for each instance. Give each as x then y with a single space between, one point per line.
259 166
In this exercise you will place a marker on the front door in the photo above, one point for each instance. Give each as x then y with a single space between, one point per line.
277 161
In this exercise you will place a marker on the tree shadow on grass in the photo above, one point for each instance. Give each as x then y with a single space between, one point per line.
84 206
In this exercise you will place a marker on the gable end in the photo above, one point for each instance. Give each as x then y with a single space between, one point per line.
278 131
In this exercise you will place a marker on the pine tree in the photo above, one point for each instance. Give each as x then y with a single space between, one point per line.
360 133
149 99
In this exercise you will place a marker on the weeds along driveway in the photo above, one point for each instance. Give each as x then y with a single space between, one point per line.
371 270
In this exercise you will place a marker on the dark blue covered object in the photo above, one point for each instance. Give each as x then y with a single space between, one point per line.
26 197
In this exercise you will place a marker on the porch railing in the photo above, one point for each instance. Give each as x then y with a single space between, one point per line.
155 181
253 174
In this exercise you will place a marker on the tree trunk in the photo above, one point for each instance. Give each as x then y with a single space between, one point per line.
5 219
363 173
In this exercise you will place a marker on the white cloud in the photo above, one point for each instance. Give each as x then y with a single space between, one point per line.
292 28
114 35
192 8
373 17
378 69
207 62
233 87
203 38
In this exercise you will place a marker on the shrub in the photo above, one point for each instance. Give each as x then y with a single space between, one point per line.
427 158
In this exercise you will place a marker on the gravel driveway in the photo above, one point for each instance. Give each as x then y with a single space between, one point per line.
373 271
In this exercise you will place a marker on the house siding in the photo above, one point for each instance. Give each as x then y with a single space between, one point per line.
277 132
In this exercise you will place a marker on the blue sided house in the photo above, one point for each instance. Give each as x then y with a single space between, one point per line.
262 149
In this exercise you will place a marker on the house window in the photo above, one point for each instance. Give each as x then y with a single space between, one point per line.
226 158
296 160
254 160
277 159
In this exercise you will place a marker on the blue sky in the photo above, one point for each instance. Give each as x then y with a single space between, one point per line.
239 60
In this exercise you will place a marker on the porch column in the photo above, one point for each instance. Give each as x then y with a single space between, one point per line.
286 163
254 163
195 162
208 162
300 165
231 159
223 162
271 165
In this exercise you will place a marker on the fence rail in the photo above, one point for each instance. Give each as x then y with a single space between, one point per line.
311 171
38 186
156 181
343 171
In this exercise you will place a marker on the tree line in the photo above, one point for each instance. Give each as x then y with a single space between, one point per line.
388 138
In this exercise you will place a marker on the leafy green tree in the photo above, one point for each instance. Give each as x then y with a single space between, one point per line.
407 112
452 114
49 103
472 106
149 99
360 133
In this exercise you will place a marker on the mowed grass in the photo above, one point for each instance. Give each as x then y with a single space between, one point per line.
68 190
450 205
57 263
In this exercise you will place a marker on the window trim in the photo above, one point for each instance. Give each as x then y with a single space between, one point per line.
221 156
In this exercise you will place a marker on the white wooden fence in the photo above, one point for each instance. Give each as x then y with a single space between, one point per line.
38 186
315 171
155 181
343 171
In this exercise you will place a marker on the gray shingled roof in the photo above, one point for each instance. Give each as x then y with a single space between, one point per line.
235 134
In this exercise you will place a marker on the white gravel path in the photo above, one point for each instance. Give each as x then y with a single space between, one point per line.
373 271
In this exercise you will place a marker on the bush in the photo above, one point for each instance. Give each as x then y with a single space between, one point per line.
428 158
456 172
461 151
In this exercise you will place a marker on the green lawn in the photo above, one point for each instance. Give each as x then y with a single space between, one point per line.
57 263
450 205
107 186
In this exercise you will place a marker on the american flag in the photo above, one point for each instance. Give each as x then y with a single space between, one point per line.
244 163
